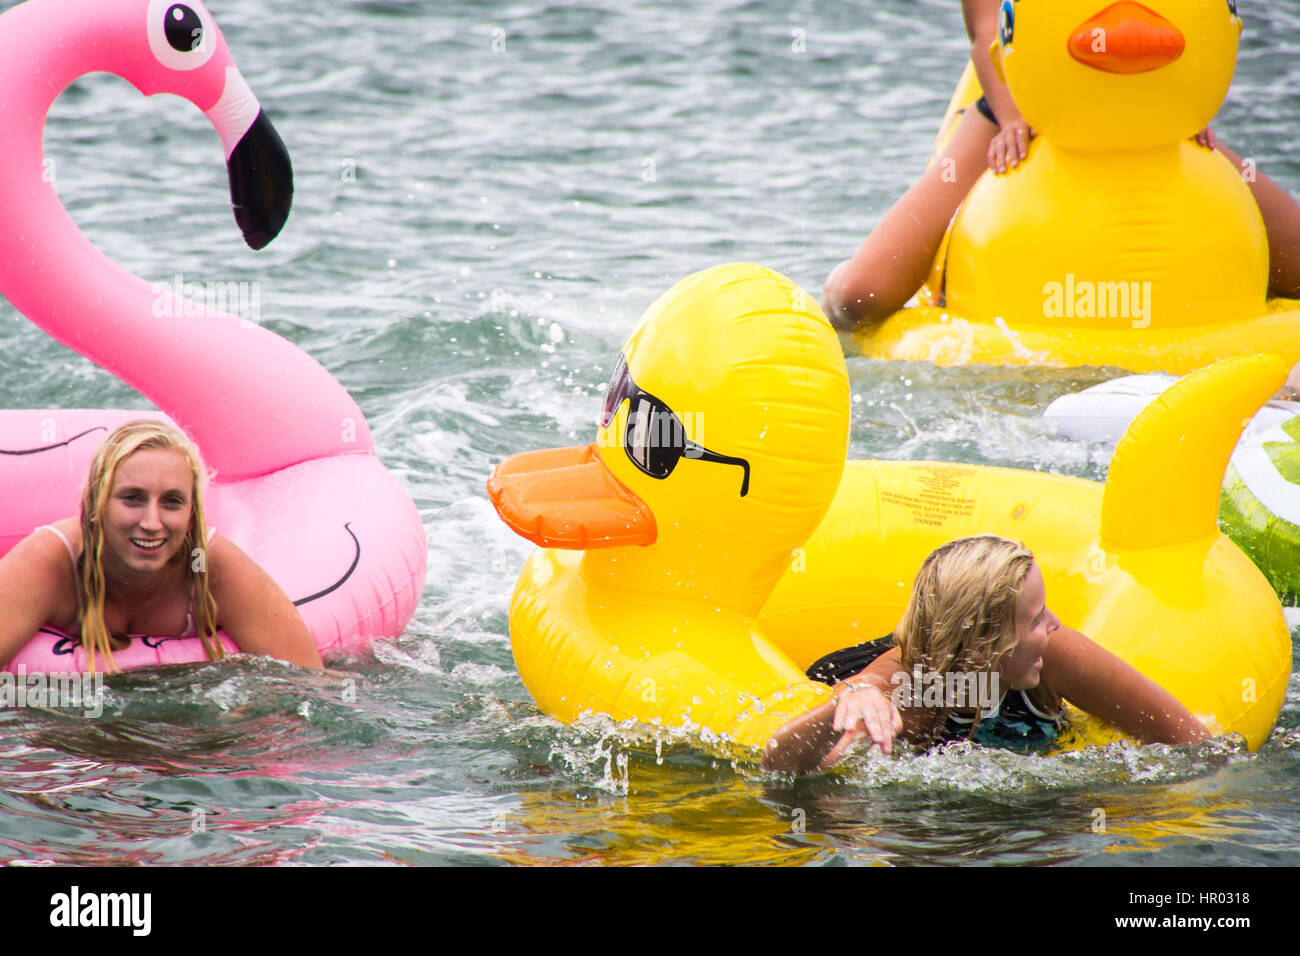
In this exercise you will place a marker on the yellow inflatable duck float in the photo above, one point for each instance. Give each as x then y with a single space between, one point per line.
1119 241
711 543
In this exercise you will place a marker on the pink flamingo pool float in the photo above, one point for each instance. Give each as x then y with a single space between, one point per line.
297 482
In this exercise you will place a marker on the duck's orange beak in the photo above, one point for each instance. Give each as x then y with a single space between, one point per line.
567 498
1127 37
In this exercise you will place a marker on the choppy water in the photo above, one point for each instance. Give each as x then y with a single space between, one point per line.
474 233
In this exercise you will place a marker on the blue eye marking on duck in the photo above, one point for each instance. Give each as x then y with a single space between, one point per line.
1007 23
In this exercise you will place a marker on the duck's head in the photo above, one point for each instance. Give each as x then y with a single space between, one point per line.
720 445
1127 75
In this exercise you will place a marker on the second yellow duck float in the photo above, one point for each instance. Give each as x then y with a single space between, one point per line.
711 543
1119 241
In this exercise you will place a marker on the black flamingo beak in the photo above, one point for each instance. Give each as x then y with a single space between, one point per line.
261 182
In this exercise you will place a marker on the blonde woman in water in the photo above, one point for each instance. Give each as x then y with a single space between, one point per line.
978 611
124 567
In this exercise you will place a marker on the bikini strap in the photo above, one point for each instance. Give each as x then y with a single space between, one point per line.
62 537
72 556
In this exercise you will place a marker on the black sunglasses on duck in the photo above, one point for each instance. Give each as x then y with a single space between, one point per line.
655 438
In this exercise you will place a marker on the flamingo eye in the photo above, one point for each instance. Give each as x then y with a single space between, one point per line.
183 28
1006 23
182 36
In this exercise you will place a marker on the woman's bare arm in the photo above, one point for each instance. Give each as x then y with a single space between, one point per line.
36 588
862 707
1010 146
1095 680
254 610
981 18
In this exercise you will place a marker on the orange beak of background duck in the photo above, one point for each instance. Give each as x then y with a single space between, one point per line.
567 498
1127 37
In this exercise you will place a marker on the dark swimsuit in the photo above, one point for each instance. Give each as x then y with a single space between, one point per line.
1017 725
982 104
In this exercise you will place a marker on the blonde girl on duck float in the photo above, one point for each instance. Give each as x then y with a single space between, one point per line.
141 560
978 607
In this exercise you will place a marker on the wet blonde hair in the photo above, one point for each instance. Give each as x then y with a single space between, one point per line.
120 445
961 615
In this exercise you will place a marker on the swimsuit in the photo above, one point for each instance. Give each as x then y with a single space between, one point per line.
1016 724
982 104
191 629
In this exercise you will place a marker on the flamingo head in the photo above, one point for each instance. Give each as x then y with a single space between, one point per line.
162 46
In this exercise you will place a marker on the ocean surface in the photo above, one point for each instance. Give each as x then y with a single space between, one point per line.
487 196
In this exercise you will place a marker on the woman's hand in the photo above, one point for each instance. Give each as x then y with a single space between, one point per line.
860 708
863 710
1207 139
1010 146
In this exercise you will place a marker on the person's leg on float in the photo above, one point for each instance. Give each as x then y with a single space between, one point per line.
895 258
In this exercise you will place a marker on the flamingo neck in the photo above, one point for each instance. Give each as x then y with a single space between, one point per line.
253 402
